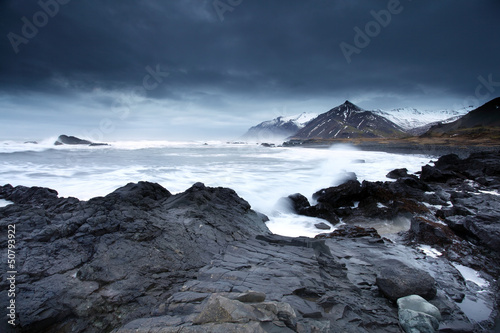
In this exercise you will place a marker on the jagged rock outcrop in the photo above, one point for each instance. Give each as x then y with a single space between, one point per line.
73 140
93 265
472 185
455 211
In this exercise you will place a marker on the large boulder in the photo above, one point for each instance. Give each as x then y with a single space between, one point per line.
397 280
397 173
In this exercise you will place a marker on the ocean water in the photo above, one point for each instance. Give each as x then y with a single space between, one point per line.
258 174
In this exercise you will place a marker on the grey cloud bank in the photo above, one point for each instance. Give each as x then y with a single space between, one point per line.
206 69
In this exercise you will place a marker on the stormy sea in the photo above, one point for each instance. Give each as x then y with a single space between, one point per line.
259 174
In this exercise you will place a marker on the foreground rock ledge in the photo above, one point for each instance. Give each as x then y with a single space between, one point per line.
92 266
143 260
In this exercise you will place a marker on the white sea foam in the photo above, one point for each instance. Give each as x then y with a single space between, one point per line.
258 174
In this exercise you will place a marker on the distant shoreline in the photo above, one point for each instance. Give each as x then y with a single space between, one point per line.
405 146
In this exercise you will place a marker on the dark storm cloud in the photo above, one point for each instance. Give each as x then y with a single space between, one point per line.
288 50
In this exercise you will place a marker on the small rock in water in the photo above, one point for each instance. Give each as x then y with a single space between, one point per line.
350 231
298 202
397 173
322 226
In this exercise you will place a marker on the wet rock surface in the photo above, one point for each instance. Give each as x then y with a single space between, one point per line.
143 260
453 207
417 315
90 266
398 280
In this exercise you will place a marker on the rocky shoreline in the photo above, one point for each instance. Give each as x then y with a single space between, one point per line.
404 146
143 260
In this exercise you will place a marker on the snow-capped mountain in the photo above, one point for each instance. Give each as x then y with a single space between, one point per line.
279 128
411 119
349 121
483 121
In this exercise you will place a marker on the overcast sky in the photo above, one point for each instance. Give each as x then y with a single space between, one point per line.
179 69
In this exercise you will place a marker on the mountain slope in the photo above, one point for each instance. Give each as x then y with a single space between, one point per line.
349 121
279 128
411 119
481 121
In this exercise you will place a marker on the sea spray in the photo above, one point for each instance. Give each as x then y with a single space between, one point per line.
258 174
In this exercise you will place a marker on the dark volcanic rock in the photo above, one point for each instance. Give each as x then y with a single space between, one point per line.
433 174
143 260
350 231
398 280
73 140
307 286
397 173
93 265
322 226
299 202
27 195
485 227
339 196
432 232
382 200
483 167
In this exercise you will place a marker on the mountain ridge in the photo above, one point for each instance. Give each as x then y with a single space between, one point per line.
415 120
349 121
484 120
394 123
278 128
